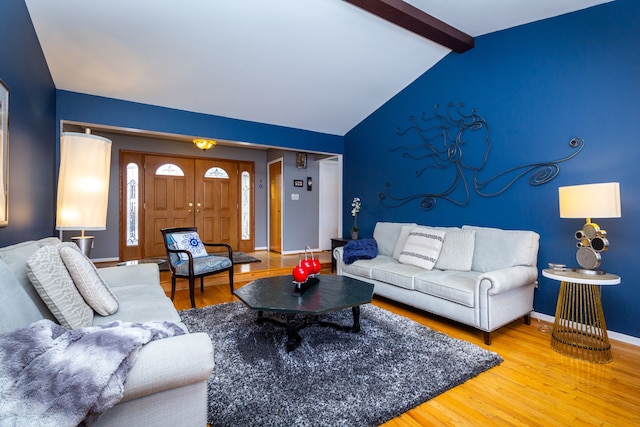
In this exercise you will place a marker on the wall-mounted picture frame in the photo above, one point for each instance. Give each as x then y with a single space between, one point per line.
301 160
4 152
298 183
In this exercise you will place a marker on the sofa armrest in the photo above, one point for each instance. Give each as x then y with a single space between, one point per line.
507 279
141 274
170 363
338 255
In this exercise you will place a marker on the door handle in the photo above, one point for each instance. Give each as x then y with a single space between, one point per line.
198 207
190 206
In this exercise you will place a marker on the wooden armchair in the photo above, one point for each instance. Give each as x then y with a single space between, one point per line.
188 258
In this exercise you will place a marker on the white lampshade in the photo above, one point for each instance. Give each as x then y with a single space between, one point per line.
590 201
83 184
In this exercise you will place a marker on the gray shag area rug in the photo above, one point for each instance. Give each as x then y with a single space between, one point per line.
334 378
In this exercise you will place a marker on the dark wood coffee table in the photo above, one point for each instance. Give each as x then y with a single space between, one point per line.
330 293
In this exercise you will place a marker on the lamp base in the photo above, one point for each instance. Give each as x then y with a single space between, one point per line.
85 243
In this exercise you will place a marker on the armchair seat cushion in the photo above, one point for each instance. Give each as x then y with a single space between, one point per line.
203 265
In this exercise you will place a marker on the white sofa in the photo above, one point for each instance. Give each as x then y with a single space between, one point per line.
483 277
167 385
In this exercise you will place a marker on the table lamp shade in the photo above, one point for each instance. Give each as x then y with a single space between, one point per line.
590 201
83 184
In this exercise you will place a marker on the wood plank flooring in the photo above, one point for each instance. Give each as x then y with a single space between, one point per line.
534 386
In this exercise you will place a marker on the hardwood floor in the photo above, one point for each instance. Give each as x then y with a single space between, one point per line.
534 386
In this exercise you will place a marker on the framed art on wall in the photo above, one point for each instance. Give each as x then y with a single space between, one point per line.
4 152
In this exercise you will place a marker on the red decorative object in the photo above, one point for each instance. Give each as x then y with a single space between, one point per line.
307 264
312 265
316 266
300 273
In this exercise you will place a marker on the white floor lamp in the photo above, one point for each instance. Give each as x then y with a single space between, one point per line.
83 185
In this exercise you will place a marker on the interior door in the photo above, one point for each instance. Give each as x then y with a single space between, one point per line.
216 201
275 206
168 198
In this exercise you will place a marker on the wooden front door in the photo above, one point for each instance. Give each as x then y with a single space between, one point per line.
187 192
216 201
168 199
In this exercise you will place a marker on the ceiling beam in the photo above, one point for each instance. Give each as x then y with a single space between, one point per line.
417 21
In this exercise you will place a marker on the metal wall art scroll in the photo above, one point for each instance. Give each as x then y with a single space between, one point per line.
459 144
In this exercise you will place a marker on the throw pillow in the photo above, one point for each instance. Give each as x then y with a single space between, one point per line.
457 250
190 242
422 247
53 283
85 276
402 239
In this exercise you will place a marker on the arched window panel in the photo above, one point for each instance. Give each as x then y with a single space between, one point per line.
169 169
133 183
245 214
216 172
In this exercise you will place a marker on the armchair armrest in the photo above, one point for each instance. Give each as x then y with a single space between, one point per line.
224 245
170 363
507 279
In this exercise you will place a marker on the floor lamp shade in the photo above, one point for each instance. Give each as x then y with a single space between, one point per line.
83 183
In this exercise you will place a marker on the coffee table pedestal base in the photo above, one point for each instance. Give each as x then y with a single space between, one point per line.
294 325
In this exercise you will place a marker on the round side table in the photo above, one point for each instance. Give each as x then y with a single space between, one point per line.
579 329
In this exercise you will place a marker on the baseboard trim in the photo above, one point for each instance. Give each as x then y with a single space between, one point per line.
612 334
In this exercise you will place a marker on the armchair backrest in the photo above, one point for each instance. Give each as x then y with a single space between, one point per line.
182 238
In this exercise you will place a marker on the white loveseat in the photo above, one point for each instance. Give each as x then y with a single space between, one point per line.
483 277
167 385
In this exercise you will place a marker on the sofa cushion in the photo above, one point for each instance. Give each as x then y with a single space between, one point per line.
16 258
496 249
386 235
363 267
18 309
422 247
95 292
51 279
457 250
397 274
451 285
141 303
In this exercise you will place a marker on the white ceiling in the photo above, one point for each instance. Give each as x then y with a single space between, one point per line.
320 65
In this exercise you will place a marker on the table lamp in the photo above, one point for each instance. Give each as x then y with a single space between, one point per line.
83 185
590 201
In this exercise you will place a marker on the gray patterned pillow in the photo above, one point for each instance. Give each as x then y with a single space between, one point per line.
95 292
53 283
422 247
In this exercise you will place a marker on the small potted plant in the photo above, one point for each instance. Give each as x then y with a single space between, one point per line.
355 208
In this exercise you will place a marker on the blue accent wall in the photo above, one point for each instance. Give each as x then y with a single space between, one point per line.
73 106
32 129
537 86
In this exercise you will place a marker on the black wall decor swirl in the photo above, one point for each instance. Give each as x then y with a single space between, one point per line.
443 141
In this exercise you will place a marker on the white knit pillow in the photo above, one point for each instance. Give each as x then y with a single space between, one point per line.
53 283
457 250
87 280
422 247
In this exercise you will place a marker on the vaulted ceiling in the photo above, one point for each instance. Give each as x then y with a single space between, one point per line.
320 65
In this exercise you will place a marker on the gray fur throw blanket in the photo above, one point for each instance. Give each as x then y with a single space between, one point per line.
52 376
